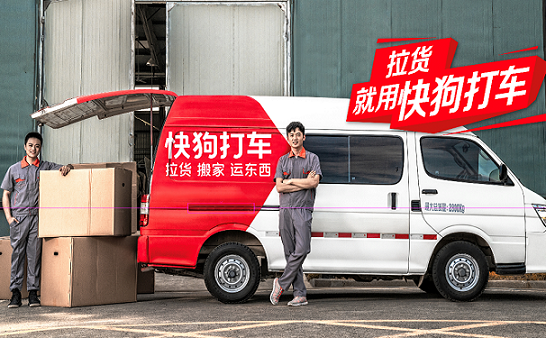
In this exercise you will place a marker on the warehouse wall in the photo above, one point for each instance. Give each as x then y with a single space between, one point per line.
226 49
17 87
334 43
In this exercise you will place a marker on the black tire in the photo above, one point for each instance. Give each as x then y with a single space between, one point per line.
232 273
427 285
460 271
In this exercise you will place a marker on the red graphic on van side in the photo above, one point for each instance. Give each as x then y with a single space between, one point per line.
209 143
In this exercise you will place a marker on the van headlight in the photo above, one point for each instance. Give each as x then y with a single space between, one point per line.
541 211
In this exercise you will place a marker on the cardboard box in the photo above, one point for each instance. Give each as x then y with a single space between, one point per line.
131 166
86 202
82 271
5 270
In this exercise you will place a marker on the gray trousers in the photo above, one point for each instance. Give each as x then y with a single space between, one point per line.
25 241
295 231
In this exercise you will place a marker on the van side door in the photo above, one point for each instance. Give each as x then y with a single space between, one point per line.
361 216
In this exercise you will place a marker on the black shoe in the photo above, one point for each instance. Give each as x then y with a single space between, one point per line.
33 299
15 299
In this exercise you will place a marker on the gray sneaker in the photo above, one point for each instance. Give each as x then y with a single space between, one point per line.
298 301
276 293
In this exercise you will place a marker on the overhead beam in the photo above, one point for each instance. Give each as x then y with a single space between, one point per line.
153 46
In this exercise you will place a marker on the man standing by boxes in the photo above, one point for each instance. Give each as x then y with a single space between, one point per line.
20 203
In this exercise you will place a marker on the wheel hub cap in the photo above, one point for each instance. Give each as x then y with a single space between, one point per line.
232 273
462 272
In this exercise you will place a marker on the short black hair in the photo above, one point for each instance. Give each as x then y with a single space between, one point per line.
295 125
34 134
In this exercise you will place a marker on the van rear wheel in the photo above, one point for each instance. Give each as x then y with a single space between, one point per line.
460 271
232 273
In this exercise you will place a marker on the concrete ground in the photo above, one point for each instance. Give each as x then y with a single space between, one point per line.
182 307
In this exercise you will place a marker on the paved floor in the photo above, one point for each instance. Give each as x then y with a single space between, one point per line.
181 307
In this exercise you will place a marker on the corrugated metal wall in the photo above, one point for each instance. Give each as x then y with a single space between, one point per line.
226 49
88 50
517 25
335 40
17 85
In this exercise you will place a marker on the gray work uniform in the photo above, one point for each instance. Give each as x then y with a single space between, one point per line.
295 218
22 180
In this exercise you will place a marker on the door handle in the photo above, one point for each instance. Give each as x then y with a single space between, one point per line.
393 201
430 191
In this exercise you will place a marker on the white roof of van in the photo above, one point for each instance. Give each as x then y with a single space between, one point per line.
318 113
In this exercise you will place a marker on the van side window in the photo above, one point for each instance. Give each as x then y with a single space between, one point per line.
458 159
333 153
358 159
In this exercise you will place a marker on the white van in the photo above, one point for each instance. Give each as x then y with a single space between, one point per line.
441 209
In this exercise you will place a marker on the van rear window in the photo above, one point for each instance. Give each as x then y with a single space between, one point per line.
358 159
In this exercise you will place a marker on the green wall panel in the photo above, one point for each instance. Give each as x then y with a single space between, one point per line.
17 82
518 25
334 43
317 44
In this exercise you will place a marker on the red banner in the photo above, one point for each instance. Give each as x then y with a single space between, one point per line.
413 87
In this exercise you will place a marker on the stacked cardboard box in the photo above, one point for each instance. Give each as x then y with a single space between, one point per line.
81 271
86 218
131 166
86 202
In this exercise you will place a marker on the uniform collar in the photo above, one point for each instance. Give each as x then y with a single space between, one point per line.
302 153
25 164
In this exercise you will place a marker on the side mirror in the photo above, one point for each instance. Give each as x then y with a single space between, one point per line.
503 175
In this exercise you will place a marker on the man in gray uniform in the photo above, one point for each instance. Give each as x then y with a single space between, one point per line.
297 177
20 204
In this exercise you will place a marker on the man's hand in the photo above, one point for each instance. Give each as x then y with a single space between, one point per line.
297 184
311 175
6 206
310 182
285 186
66 169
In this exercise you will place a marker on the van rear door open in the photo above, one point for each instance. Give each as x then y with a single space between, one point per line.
102 106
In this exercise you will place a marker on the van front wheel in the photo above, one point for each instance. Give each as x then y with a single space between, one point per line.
232 273
460 271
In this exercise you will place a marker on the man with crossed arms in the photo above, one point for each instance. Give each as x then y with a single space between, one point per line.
297 177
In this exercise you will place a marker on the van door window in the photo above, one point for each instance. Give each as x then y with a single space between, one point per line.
358 159
458 159
376 159
333 153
